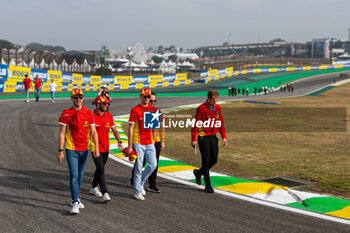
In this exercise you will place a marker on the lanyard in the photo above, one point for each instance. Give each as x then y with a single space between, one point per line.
214 110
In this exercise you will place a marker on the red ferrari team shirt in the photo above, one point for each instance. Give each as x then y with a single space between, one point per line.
104 124
141 136
77 131
37 83
26 83
204 113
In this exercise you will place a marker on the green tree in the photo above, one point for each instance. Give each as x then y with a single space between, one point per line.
157 59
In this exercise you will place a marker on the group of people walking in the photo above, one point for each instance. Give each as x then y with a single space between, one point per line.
37 88
82 129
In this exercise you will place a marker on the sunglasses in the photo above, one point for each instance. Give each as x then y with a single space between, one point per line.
104 104
146 96
153 101
78 97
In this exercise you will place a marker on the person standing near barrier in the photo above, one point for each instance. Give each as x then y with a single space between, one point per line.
37 83
141 140
26 86
207 140
53 88
104 122
75 124
105 93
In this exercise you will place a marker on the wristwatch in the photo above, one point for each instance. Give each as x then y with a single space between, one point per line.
59 150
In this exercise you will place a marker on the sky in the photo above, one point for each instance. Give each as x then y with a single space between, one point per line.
89 24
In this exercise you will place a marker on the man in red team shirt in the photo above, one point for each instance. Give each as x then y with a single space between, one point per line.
37 83
104 122
142 141
75 124
207 140
26 83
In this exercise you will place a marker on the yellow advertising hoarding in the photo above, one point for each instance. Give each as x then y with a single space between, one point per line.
155 78
139 85
122 79
290 68
256 71
307 68
182 76
212 72
152 85
324 67
95 80
17 72
273 69
77 79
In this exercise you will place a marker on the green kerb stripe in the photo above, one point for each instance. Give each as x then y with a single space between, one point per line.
165 163
217 181
321 204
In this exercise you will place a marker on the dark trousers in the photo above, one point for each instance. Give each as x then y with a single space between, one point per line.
152 178
99 176
208 146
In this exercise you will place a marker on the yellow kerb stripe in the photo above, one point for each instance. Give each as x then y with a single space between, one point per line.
175 168
250 188
343 213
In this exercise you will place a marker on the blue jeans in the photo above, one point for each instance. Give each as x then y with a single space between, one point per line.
52 95
147 152
76 163
37 93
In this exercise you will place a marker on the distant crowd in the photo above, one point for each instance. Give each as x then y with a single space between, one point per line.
233 91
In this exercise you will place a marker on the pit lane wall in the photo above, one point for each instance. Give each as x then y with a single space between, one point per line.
11 80
211 75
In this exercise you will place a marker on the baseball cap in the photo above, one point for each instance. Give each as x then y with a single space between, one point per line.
145 91
104 85
77 92
101 99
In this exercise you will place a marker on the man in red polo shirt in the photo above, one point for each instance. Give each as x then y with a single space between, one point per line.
37 83
26 83
104 122
141 140
207 140
75 124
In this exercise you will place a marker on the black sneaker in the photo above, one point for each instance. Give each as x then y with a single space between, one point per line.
209 189
198 176
153 189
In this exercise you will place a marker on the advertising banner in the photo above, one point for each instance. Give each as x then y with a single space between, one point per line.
67 77
42 74
17 72
3 73
123 79
140 79
107 79
95 80
77 79
155 78
204 74
212 72
55 75
86 78
170 77
182 76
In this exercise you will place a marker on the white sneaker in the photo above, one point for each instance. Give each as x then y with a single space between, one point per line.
143 191
96 192
139 197
75 208
81 205
106 197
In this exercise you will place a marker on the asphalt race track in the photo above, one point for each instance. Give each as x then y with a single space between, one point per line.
34 188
